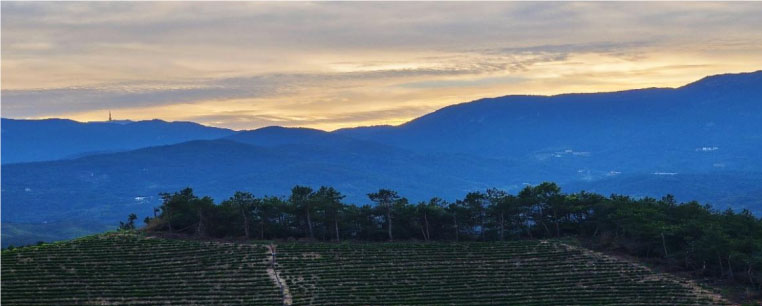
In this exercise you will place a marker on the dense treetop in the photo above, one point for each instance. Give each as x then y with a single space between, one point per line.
686 236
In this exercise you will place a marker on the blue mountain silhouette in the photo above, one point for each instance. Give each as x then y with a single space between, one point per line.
700 142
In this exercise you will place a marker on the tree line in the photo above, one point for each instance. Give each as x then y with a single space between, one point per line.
688 236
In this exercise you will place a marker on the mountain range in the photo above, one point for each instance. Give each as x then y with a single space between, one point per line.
701 141
53 139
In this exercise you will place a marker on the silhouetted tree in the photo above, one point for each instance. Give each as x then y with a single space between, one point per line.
385 198
130 224
245 203
301 199
685 236
330 199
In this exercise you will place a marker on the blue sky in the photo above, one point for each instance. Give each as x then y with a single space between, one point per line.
330 65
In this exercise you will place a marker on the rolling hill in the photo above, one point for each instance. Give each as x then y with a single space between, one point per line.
714 124
700 142
52 139
107 187
124 268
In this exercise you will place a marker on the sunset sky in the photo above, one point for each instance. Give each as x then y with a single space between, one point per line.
245 65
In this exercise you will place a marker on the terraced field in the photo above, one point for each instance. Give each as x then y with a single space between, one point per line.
510 273
131 269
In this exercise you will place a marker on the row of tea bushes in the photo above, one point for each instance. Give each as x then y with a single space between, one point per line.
500 273
130 269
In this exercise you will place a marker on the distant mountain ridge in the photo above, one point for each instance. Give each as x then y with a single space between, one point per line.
52 139
108 186
701 141
610 131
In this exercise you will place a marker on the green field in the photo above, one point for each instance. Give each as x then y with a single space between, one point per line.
129 269
132 269
18 234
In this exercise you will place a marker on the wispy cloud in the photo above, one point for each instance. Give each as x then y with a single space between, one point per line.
330 65
238 120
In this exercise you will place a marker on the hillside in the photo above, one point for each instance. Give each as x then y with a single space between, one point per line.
713 124
52 139
723 189
107 187
274 136
699 142
129 268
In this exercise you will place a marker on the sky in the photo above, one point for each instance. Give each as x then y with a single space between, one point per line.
331 65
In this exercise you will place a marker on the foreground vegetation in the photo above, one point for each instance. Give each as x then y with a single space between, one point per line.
684 237
19 234
462 273
129 268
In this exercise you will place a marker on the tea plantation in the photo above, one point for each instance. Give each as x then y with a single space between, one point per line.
132 269
507 273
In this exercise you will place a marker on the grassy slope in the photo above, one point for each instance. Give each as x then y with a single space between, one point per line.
119 268
18 234
509 273
129 269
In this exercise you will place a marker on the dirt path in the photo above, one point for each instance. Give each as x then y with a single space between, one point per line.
275 276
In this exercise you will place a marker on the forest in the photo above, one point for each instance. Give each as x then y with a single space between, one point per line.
687 237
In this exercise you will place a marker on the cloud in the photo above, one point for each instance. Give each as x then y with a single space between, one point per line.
464 83
42 102
238 120
35 102
316 63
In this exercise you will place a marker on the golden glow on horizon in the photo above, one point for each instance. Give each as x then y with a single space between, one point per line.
356 66
578 73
